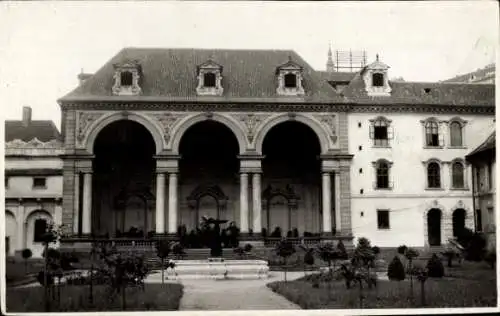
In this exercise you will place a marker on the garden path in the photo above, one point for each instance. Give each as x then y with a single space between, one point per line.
233 294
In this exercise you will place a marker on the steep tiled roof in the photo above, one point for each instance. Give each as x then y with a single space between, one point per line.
424 93
479 74
43 130
488 144
170 75
336 76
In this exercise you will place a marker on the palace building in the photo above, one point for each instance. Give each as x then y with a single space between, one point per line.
158 138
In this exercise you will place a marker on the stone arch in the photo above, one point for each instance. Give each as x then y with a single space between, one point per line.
149 124
435 205
190 121
318 129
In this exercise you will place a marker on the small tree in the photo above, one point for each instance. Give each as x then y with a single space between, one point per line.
284 249
26 253
411 254
328 254
435 267
364 257
396 270
308 256
162 251
422 275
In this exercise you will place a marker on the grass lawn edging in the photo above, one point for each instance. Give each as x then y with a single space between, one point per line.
75 298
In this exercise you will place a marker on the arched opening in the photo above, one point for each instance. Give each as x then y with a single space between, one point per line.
11 233
123 180
458 220
208 174
434 227
291 167
36 226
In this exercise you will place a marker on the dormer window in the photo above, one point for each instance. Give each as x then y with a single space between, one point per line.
209 78
127 77
290 79
376 80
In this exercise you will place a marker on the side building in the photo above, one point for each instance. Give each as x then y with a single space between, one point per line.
483 161
33 182
410 181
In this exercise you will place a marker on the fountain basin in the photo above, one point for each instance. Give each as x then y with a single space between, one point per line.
218 269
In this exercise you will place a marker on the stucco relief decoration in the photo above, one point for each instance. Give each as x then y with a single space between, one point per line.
252 123
330 122
167 121
85 120
34 143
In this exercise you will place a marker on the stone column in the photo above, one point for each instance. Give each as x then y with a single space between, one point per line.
172 203
76 207
87 203
327 208
337 202
257 203
244 203
160 203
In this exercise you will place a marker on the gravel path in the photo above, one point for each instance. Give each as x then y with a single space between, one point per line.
233 294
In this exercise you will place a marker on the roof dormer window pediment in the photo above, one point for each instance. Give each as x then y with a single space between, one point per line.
127 78
376 79
209 78
290 79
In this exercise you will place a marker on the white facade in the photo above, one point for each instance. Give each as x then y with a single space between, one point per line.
408 198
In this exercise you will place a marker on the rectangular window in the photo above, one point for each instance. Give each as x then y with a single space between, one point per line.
6 182
383 219
380 136
39 182
7 245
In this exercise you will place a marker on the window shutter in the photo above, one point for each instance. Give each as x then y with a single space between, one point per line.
441 140
372 131
390 132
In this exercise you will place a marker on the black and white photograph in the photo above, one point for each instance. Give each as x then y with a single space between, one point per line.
250 157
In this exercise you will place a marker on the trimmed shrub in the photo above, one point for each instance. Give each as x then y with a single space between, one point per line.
341 251
396 270
435 267
476 248
491 258
402 249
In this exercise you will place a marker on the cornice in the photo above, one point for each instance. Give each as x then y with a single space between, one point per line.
276 107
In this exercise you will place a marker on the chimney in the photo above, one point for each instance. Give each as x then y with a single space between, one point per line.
83 76
26 115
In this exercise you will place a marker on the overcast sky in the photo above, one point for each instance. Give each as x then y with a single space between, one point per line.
44 45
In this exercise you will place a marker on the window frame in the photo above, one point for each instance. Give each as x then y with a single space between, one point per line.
464 174
213 77
427 164
377 122
44 186
462 123
376 165
129 75
380 216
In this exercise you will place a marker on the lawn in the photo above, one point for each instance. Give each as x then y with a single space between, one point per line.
155 297
470 285
17 270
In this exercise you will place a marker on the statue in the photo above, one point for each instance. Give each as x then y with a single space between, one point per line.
214 235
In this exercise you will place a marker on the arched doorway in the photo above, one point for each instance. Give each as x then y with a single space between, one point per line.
458 220
434 227
11 233
208 174
123 180
291 165
36 226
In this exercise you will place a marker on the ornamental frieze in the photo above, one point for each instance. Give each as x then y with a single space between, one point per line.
167 122
252 123
84 120
330 121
